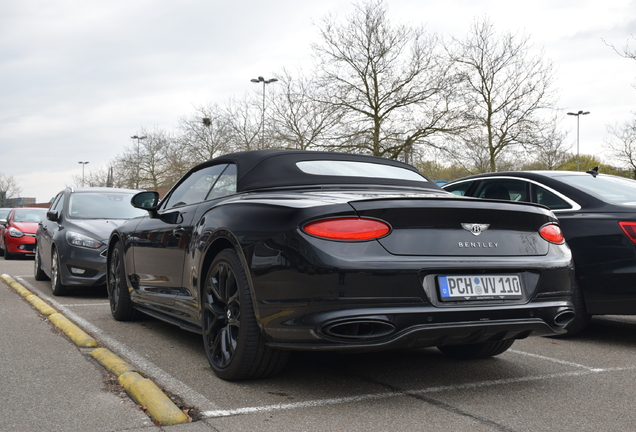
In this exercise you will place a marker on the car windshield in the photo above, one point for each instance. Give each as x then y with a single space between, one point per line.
102 205
611 189
29 215
358 169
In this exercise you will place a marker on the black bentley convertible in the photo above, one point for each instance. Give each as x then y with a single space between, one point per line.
270 251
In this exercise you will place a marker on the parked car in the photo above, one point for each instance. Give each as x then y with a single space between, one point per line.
71 240
269 251
4 212
17 231
597 214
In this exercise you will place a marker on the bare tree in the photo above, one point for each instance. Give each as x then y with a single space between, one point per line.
389 80
626 51
145 164
9 188
505 89
552 151
203 135
300 120
244 117
98 177
622 143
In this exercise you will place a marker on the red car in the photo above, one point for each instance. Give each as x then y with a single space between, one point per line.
17 231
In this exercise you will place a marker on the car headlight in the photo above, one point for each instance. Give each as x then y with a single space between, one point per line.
14 232
77 239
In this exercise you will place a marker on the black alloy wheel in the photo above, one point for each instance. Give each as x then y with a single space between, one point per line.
233 342
121 305
478 350
57 287
37 267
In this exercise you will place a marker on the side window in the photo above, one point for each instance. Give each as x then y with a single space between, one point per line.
550 200
503 189
58 203
459 188
196 187
225 184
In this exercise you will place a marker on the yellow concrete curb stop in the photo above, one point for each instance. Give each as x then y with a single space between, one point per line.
15 285
111 361
39 304
145 392
74 333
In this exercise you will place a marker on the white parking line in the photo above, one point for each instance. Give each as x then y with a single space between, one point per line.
161 376
201 401
554 360
386 395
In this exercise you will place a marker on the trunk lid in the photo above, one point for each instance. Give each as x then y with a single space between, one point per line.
456 226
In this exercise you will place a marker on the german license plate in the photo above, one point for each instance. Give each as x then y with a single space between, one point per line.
482 287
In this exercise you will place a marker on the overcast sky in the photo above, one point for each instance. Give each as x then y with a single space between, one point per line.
79 78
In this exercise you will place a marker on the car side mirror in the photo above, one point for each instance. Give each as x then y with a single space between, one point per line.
3 222
52 216
146 200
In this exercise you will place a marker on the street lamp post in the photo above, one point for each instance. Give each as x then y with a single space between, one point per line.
138 138
578 114
83 164
264 81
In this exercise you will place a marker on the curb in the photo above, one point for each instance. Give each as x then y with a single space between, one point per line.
142 390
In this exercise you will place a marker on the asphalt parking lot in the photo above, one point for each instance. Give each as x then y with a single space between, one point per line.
540 384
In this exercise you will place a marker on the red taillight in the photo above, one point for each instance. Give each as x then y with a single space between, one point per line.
552 233
351 229
629 228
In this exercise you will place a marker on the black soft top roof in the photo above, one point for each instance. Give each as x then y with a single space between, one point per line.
261 169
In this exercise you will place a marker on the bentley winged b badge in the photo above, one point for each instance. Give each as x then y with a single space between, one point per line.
475 229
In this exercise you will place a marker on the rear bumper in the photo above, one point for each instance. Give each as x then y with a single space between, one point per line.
374 329
356 297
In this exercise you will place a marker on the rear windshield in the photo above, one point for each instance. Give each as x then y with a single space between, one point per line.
358 169
611 189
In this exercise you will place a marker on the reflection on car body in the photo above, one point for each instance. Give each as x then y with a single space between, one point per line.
270 251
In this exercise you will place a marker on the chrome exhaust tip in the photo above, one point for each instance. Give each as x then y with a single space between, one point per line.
564 317
359 329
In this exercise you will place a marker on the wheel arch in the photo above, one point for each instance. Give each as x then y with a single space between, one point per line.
220 240
127 258
114 238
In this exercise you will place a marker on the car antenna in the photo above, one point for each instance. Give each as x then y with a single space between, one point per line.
593 171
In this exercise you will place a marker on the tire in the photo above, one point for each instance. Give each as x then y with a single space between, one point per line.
581 318
477 351
7 255
37 268
57 287
233 342
121 305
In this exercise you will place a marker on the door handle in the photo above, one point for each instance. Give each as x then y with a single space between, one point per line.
178 232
